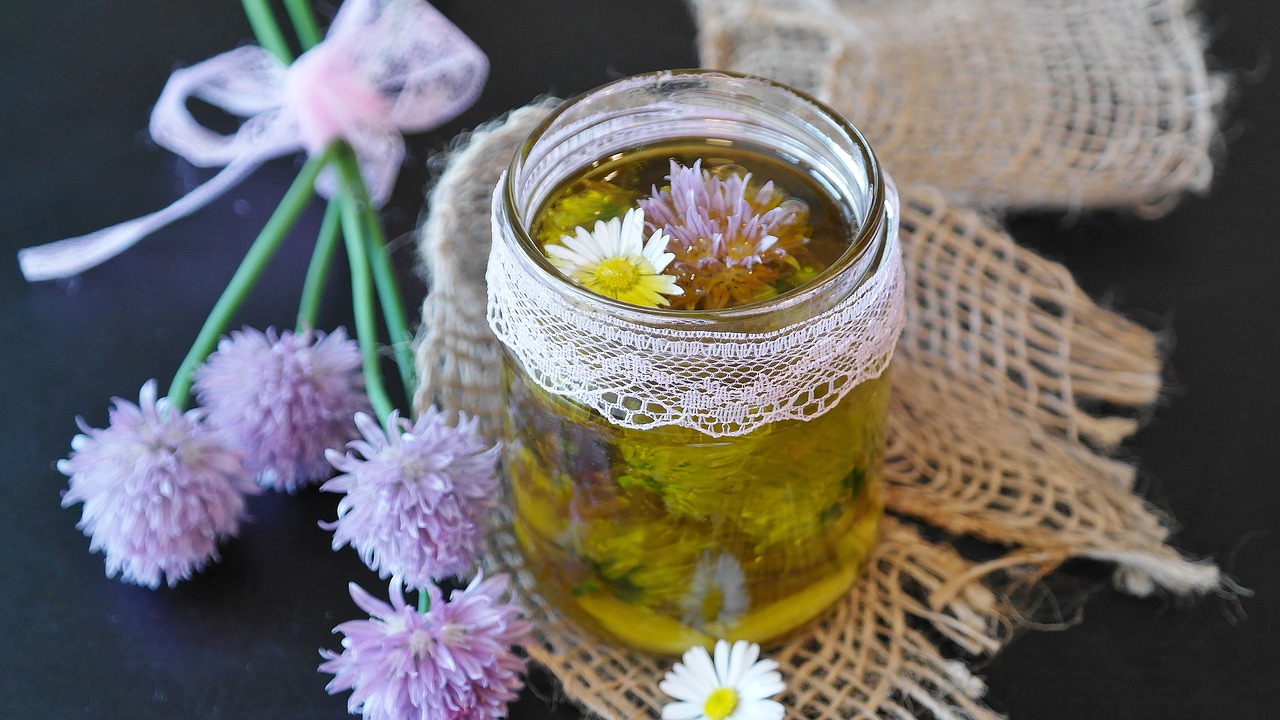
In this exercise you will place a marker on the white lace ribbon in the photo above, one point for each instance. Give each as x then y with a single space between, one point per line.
719 383
385 67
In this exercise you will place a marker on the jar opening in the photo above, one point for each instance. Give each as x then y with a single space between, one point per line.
715 107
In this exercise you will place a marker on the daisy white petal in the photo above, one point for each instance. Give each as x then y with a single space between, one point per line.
764 676
761 710
699 665
655 250
691 680
724 670
739 660
682 711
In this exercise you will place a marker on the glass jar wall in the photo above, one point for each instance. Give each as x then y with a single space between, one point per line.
663 533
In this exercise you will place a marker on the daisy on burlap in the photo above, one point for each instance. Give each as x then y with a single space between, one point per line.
736 686
616 261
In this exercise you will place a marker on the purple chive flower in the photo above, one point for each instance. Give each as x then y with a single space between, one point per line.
727 218
416 498
284 399
453 662
160 489
731 237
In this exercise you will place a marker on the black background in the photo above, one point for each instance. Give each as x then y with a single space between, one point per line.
77 79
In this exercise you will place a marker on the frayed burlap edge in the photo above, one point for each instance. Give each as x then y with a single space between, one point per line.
999 103
991 434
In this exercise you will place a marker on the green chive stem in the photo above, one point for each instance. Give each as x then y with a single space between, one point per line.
255 261
362 233
266 29
318 270
304 22
383 274
384 277
362 299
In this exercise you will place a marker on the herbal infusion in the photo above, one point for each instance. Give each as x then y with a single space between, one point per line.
666 537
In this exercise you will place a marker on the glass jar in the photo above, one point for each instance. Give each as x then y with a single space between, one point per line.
643 519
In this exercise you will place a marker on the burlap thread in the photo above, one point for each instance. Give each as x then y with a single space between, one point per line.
995 423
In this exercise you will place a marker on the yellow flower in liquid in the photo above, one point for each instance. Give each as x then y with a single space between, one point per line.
597 200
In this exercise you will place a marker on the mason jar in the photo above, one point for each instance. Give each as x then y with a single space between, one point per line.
709 467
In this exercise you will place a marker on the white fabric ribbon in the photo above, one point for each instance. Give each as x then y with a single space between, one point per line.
385 67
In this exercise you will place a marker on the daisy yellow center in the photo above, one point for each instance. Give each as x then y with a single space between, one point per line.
616 275
720 703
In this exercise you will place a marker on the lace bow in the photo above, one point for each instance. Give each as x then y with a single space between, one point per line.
385 67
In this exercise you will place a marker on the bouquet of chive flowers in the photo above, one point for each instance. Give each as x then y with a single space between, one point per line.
165 483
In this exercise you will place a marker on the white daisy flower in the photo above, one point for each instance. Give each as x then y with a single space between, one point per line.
615 260
717 596
735 687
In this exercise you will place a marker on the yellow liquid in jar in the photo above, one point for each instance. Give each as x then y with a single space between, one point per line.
663 538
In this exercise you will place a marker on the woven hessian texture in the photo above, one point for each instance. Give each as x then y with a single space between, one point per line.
993 433
1001 103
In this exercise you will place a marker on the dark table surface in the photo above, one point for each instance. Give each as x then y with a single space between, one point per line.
77 79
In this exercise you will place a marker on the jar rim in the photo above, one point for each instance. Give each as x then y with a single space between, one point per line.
870 226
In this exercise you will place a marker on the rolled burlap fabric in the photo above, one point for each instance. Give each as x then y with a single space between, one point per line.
999 103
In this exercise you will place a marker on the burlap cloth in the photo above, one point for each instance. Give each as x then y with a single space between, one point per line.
1011 389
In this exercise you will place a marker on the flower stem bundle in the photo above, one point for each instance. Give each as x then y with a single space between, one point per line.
162 485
